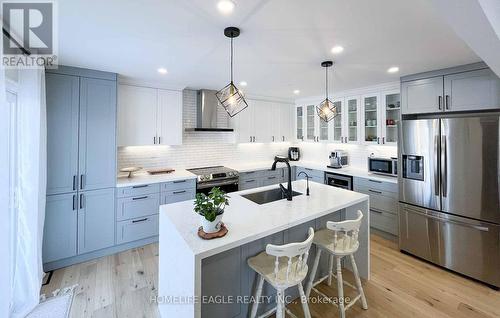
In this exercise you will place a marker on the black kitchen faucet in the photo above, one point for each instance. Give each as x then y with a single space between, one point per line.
288 193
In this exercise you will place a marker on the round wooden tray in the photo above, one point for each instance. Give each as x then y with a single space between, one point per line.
209 236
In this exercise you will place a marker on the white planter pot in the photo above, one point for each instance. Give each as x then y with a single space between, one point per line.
211 227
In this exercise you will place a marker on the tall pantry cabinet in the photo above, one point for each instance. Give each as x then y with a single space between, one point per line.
81 162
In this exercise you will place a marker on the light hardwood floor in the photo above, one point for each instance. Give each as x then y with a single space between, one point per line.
401 286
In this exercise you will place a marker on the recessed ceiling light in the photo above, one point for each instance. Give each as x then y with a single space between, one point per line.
225 6
337 49
162 70
243 83
296 92
393 69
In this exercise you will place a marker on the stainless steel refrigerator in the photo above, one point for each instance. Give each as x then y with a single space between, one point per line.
449 193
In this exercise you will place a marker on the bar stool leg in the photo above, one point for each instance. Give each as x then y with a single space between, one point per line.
280 305
303 299
340 286
330 272
358 283
258 293
313 272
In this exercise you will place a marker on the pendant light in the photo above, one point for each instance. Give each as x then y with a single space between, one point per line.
230 96
326 109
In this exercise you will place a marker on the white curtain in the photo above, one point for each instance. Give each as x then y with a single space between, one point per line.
32 132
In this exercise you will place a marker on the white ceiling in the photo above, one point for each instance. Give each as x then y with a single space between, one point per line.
280 47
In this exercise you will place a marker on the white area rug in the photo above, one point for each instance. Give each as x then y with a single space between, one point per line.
57 306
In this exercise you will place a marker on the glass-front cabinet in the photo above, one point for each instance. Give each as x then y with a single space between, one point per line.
338 122
352 123
391 115
371 118
311 123
299 123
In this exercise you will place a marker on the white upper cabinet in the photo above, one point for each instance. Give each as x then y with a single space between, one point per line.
286 120
352 119
371 121
299 123
337 124
149 116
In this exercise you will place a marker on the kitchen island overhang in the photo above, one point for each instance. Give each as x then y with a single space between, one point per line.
184 257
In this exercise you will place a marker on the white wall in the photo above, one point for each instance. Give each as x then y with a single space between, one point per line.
199 148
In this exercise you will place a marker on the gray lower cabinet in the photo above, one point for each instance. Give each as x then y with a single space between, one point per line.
383 203
172 196
96 220
137 206
62 97
60 228
136 229
97 134
422 96
261 178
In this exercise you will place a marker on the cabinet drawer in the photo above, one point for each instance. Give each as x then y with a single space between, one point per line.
177 196
138 190
313 173
137 206
178 185
249 183
278 173
250 174
384 221
380 200
376 184
136 229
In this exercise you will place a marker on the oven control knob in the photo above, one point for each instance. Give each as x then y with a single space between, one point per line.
201 178
231 173
207 177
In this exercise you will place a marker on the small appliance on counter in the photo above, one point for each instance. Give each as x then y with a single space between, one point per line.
294 154
338 159
385 166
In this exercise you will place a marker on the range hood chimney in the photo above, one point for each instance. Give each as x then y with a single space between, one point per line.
206 112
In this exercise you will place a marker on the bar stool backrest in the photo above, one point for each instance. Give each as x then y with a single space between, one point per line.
346 233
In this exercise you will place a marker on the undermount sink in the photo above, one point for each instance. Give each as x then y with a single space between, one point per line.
267 196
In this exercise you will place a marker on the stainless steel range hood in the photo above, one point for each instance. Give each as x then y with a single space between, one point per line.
206 112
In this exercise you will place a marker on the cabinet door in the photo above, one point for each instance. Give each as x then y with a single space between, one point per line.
311 133
244 123
169 117
285 119
59 232
474 90
371 118
352 125
62 132
422 96
97 143
390 114
299 123
337 131
263 121
96 220
137 108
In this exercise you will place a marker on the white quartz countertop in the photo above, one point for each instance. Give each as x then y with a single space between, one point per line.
248 221
350 171
141 178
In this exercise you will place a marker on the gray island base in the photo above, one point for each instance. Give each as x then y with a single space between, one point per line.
199 278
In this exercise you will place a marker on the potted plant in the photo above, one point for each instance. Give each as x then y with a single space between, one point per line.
210 208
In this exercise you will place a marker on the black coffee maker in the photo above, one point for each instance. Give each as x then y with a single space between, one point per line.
294 153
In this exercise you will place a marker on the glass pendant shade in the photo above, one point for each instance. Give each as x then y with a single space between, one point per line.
231 99
326 110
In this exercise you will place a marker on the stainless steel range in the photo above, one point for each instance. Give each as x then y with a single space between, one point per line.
219 176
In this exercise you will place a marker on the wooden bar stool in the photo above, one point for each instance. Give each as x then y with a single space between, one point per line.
339 239
273 267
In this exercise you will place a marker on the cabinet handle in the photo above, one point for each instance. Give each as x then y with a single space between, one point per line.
81 181
378 212
440 102
154 140
248 181
376 181
377 192
447 102
140 186
140 198
74 182
383 140
179 192
308 169
346 140
159 140
270 178
81 201
141 220
283 138
180 181
273 138
378 140
74 202
250 138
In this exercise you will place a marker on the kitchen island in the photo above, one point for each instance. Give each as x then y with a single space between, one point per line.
199 278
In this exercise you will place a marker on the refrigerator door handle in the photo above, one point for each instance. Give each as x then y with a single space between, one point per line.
436 167
444 165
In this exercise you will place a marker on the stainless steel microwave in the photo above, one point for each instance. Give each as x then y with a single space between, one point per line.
385 166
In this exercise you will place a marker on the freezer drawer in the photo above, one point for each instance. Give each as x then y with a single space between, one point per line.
463 245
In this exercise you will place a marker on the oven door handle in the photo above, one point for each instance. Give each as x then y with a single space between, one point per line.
216 183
